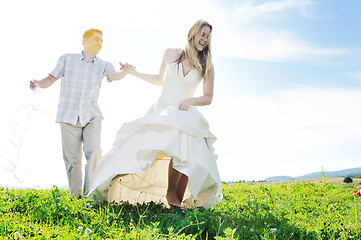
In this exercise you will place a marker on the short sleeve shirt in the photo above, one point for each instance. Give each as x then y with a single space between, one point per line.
80 85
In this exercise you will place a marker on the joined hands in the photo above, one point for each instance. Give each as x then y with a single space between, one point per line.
126 67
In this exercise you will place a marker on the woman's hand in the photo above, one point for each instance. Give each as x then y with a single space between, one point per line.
133 71
185 104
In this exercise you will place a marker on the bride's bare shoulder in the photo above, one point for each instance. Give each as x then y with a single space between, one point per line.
171 55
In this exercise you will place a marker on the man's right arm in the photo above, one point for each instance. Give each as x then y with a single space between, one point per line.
57 73
43 83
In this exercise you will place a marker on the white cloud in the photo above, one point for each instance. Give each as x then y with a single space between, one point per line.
291 132
250 31
354 74
269 45
246 31
247 11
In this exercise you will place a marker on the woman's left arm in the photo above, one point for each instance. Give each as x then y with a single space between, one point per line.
206 99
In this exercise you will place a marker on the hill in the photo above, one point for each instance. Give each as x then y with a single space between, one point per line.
350 172
278 178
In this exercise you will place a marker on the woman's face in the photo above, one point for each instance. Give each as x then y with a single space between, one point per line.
201 40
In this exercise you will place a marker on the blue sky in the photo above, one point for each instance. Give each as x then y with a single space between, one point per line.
287 88
328 33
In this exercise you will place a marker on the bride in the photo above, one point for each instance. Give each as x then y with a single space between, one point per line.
167 155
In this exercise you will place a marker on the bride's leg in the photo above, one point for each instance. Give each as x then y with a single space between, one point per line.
173 179
181 186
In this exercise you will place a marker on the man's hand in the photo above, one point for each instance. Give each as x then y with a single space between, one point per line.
126 66
34 84
121 66
43 83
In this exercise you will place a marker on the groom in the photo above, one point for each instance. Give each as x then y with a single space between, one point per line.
78 112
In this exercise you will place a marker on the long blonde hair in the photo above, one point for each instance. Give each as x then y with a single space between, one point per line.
201 60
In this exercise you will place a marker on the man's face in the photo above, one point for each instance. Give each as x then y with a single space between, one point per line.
94 43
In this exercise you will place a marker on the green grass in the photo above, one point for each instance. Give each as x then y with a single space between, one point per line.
261 211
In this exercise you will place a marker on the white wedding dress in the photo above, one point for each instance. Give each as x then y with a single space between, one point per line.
136 168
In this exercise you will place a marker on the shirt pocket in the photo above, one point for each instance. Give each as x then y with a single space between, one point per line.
97 76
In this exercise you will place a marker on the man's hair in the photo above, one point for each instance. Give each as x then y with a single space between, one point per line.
90 32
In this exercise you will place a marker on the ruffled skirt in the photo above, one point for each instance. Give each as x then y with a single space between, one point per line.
136 168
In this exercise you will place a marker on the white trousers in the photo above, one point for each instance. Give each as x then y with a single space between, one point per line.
73 137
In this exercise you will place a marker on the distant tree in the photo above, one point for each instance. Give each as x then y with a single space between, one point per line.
348 180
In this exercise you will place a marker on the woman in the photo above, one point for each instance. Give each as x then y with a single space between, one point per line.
168 154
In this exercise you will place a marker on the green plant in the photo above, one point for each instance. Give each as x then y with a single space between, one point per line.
285 211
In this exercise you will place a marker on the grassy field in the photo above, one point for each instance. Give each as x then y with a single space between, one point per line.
320 209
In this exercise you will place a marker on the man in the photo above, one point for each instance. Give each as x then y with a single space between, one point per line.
78 112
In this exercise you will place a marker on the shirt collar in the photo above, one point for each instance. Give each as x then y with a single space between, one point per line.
92 61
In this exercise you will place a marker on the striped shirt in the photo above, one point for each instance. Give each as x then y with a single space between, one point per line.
80 85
